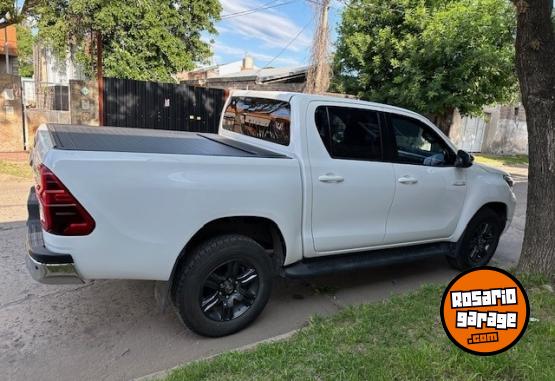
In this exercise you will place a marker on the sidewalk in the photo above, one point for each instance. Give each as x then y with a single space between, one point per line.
520 172
14 156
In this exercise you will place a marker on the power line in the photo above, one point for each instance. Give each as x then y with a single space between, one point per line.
240 13
288 44
253 10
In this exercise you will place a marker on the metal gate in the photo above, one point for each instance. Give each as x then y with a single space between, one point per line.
165 106
472 133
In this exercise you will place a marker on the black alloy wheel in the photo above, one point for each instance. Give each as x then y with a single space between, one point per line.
223 285
482 242
229 291
479 241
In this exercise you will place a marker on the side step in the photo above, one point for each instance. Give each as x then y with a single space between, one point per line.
309 267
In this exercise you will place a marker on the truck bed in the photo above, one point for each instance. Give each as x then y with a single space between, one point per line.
117 139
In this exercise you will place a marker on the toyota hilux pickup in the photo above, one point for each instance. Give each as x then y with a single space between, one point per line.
292 185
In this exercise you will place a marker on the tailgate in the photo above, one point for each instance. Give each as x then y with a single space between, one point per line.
43 144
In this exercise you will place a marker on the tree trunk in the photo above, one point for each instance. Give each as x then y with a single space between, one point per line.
443 121
535 57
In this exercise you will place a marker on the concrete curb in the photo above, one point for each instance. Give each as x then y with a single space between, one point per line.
163 373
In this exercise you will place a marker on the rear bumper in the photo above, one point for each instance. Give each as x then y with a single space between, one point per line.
44 265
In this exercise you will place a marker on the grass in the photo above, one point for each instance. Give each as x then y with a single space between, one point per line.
401 338
498 160
17 169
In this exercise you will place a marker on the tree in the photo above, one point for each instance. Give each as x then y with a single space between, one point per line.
431 56
25 43
535 57
143 40
13 12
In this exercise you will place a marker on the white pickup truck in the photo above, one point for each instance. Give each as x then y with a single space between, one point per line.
293 185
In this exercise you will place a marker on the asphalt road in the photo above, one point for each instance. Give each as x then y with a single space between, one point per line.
114 330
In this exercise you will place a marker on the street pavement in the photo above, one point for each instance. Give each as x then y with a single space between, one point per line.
114 330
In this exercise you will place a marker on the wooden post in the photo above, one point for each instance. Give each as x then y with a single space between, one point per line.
318 76
100 78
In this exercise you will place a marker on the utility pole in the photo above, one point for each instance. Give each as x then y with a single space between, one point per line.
100 78
318 77
6 50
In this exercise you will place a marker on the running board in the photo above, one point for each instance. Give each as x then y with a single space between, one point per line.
309 267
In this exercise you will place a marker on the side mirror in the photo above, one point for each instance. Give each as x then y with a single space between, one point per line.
464 159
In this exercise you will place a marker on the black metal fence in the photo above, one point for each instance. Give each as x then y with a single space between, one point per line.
165 106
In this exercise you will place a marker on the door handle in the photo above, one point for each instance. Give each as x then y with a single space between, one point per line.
407 180
331 178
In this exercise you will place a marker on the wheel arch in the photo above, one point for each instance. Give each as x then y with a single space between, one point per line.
263 230
500 208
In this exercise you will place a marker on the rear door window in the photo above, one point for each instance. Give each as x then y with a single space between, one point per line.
261 118
350 133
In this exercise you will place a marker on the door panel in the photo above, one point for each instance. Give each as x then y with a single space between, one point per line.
352 189
352 213
428 206
430 191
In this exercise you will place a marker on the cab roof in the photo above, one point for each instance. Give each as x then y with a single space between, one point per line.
288 95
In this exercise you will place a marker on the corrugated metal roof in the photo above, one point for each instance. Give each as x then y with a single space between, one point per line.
262 75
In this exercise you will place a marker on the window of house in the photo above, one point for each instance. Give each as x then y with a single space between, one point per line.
417 144
266 119
349 133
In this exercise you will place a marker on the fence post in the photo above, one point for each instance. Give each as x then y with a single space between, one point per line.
100 78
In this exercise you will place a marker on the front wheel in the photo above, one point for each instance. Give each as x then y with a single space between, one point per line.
224 286
479 241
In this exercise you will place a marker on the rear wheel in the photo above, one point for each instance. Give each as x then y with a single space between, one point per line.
224 286
479 241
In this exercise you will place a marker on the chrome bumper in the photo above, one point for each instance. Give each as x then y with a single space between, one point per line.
52 273
44 265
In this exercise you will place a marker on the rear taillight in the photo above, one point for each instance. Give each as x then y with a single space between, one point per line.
60 212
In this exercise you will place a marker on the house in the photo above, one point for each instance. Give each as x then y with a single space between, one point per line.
282 79
49 87
8 44
200 75
245 75
51 69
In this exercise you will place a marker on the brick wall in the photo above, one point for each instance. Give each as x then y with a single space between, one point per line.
11 121
35 117
83 102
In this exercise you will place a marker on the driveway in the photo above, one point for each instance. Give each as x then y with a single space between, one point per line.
114 330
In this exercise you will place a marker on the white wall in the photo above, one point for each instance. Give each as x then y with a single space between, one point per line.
505 131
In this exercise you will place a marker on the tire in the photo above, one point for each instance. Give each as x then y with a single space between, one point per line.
224 285
479 241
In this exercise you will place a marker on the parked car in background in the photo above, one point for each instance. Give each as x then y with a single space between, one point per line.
294 185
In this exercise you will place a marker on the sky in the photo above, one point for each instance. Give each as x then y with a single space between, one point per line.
281 26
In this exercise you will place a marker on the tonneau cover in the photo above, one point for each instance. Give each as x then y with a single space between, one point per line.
118 139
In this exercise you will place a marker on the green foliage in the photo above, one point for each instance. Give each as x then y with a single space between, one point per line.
25 42
5 7
428 55
14 12
143 40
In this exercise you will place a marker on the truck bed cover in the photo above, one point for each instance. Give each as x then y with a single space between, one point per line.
118 139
